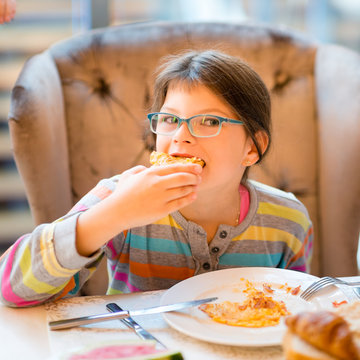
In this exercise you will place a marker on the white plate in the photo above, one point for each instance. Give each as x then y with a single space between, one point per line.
225 284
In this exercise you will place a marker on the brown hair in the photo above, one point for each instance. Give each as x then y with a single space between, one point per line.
227 76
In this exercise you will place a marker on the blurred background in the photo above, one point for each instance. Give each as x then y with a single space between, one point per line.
40 23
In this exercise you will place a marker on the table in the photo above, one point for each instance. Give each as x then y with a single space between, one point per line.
24 333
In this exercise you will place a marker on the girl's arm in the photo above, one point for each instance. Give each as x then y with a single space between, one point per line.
45 265
56 259
142 195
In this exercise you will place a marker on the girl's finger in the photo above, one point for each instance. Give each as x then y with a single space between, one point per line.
135 170
174 168
179 203
128 172
180 192
178 180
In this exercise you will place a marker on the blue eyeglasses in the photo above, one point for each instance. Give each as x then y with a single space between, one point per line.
199 125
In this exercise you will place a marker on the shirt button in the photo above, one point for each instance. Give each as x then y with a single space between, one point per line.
215 250
206 266
223 234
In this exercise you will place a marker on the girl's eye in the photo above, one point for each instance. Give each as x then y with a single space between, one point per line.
210 121
169 119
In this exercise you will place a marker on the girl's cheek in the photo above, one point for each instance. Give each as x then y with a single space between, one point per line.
162 144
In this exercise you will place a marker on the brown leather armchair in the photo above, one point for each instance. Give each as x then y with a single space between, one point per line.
78 109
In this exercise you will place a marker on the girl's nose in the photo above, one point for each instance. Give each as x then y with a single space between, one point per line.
183 134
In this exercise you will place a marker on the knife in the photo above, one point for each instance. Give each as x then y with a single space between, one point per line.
132 324
356 290
68 323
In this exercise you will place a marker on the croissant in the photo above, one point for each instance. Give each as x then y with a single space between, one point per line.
325 331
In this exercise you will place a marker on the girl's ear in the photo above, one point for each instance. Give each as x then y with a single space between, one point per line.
252 156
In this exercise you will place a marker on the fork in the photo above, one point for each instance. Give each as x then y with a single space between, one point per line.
322 283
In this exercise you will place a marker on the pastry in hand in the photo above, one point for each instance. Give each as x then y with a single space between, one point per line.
160 158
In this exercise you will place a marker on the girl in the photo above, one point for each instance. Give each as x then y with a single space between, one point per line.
160 225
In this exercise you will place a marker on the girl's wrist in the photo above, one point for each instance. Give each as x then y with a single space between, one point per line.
97 226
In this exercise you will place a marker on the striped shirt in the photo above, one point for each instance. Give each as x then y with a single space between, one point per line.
45 265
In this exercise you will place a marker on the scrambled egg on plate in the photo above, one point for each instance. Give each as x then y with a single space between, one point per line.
258 310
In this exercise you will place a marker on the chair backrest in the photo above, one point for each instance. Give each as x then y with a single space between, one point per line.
78 109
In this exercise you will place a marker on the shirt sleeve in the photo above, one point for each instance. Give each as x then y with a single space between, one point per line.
45 264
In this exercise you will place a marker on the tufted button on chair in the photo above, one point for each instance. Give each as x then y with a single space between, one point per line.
78 109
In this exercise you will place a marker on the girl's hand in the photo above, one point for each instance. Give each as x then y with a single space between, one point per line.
142 195
7 10
149 194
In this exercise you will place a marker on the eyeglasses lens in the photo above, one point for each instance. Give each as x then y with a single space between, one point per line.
164 124
203 126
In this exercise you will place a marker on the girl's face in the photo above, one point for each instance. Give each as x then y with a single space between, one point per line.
224 154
